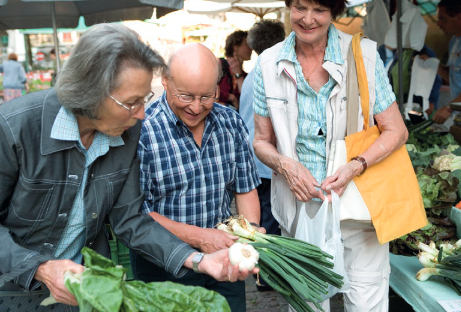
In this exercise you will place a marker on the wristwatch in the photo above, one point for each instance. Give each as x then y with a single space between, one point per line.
196 261
237 76
362 161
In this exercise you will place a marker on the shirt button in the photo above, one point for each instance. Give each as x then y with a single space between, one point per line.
92 175
94 215
62 215
48 245
91 244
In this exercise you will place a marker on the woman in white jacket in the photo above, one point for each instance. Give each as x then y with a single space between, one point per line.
300 109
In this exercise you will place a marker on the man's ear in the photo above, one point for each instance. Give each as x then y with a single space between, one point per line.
164 81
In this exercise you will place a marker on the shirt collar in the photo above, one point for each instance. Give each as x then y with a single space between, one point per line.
332 52
65 128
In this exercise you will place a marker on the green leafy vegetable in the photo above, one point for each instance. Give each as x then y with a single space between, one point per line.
101 287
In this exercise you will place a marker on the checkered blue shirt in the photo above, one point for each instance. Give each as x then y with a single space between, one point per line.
310 146
65 128
191 184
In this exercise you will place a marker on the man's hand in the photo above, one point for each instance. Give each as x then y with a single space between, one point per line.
211 240
441 115
52 274
218 266
301 182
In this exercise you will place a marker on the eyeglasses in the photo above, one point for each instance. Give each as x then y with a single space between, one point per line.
186 98
134 107
190 98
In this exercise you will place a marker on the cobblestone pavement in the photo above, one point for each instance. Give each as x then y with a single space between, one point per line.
272 301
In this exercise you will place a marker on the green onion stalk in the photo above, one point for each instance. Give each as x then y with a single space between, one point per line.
445 262
298 270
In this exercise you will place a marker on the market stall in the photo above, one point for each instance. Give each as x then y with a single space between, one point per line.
432 295
436 157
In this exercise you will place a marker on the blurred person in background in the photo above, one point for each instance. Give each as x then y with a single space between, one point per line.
14 78
263 35
55 67
231 68
69 163
449 20
300 109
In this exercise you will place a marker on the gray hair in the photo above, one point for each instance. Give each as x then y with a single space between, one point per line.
92 70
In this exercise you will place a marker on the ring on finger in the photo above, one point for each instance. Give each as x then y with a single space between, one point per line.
228 277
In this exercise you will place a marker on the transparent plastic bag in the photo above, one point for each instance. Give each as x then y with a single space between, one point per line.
323 230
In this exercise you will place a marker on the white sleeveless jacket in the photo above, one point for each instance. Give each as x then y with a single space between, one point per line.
281 97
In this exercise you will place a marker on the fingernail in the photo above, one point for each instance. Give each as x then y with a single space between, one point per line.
329 188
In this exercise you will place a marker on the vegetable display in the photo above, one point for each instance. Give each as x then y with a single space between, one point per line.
436 159
101 287
298 270
445 262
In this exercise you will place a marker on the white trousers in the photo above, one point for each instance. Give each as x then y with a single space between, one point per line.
367 266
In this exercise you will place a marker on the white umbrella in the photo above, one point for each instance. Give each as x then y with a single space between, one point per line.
257 7
21 14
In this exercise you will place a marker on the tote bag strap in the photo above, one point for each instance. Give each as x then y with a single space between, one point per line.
362 79
352 89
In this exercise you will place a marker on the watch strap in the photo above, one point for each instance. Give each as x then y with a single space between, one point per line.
363 161
198 257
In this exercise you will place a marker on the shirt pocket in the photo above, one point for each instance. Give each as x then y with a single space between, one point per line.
225 174
31 200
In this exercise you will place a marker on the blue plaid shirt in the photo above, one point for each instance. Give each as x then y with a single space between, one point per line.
65 128
191 184
310 146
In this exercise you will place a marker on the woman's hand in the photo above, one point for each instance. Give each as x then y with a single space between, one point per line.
52 274
340 180
301 182
235 65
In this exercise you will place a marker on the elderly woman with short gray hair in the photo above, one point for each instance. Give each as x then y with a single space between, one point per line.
69 163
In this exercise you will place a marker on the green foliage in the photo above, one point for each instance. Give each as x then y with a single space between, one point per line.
101 287
437 187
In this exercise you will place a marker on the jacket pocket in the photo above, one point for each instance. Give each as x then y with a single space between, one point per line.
115 184
31 200
273 101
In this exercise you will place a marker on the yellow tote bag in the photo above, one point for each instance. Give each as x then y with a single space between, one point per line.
389 188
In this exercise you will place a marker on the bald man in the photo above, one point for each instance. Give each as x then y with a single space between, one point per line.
195 157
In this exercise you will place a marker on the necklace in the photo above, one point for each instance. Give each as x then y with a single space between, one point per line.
315 67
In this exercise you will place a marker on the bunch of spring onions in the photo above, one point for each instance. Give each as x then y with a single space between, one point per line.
445 262
298 270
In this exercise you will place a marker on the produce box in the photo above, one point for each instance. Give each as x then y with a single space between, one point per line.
120 254
124 260
112 244
455 215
